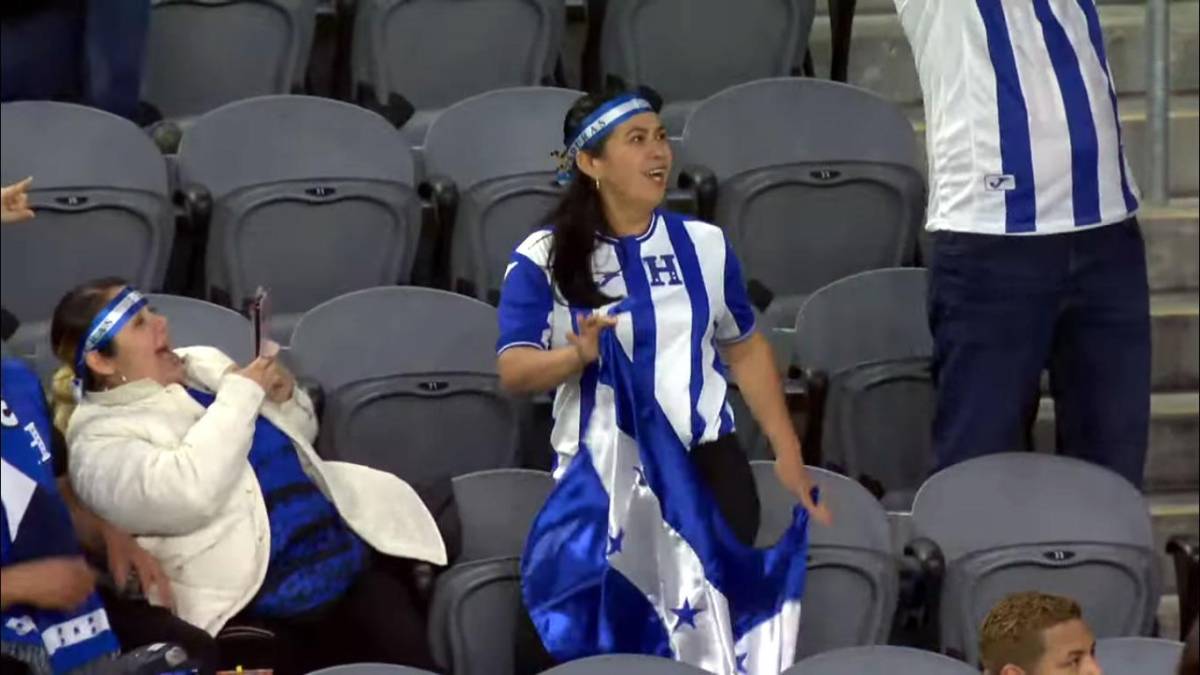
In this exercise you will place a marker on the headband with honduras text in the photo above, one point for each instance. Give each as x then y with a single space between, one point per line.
596 126
108 322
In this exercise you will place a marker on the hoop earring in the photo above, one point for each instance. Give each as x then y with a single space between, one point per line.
597 185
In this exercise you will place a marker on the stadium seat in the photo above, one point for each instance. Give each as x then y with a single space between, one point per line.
196 322
103 208
496 149
806 204
310 198
409 382
432 53
473 617
370 669
852 588
496 509
1024 521
1138 656
864 345
201 54
669 45
609 664
880 659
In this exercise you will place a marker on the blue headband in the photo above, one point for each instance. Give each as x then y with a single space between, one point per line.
108 322
599 124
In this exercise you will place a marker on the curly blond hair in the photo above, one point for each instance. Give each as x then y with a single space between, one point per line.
1012 632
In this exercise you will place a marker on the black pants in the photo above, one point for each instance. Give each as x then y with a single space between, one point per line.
379 620
1003 308
137 624
725 469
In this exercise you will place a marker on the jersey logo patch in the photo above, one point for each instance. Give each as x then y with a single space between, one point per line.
1000 182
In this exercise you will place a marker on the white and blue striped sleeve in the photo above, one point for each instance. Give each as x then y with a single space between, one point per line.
735 321
526 303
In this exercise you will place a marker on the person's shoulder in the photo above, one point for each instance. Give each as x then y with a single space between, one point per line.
536 247
700 231
16 372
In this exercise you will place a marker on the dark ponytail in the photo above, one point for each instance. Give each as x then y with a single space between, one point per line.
579 216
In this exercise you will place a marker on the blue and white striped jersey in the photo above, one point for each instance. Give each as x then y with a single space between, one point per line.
1021 113
686 271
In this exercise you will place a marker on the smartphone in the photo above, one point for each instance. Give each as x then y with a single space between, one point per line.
259 316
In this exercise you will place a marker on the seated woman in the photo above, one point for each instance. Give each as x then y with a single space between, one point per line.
211 465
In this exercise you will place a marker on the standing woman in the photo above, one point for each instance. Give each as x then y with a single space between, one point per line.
634 315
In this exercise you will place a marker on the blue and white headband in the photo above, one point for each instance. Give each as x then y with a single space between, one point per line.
597 125
108 322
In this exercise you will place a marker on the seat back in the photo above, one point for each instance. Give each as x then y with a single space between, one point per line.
880 659
96 217
424 427
496 508
391 331
805 205
1138 656
869 334
400 47
506 192
1023 521
312 198
852 585
198 323
607 664
370 669
473 617
201 54
668 44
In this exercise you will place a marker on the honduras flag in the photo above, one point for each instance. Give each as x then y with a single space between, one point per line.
630 554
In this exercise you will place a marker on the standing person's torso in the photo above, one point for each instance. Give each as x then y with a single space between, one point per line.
1021 116
679 267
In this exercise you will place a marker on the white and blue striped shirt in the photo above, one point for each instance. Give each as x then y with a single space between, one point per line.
1022 128
687 272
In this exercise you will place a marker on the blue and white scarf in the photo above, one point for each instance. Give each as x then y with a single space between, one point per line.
36 525
631 555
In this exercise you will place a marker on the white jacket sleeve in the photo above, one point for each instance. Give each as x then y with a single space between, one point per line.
149 489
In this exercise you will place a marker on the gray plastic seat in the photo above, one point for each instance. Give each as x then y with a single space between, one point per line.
608 664
880 659
668 45
370 669
103 209
312 198
1138 656
816 181
394 330
402 48
202 54
869 335
506 192
497 508
413 389
473 617
1023 521
195 322
853 583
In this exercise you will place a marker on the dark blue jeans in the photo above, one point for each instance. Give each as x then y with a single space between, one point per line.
85 51
1003 308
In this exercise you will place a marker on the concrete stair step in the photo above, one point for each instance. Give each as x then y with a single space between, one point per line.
881 60
1172 234
1173 460
1175 341
1173 513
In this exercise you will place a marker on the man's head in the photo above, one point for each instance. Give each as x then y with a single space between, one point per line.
1037 634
